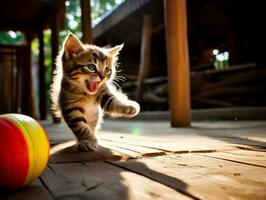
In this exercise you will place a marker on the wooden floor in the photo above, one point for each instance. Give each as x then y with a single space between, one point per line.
150 160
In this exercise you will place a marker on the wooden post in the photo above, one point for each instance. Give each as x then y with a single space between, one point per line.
54 44
232 48
86 21
145 54
178 62
54 39
28 100
42 82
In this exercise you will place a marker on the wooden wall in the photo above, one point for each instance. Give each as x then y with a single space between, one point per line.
14 76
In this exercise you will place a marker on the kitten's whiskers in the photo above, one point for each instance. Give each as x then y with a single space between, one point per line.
116 84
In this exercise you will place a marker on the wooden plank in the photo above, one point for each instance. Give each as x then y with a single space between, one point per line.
178 62
57 132
203 137
128 152
100 180
143 151
68 153
244 142
86 21
203 177
142 145
255 158
235 133
176 144
42 83
145 54
30 192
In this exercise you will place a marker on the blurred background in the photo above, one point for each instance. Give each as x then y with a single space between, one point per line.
225 42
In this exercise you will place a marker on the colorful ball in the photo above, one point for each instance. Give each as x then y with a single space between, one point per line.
24 150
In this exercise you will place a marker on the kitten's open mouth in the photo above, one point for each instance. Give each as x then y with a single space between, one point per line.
92 86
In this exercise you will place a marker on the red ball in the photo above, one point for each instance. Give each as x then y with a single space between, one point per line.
24 150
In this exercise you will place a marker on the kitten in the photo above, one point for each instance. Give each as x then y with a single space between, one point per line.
82 89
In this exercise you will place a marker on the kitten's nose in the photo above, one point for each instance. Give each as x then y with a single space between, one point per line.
101 76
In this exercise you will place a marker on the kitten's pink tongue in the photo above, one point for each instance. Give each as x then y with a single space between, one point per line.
92 86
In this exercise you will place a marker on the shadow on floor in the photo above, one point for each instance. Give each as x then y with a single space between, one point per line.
96 175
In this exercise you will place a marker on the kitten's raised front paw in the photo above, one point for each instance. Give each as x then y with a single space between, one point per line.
132 110
87 145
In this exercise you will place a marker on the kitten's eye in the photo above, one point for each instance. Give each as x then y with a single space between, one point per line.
90 67
107 70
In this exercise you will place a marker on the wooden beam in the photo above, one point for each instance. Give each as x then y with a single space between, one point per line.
145 54
42 82
86 21
178 62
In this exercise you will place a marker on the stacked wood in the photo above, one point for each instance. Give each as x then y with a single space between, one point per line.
242 85
235 86
155 92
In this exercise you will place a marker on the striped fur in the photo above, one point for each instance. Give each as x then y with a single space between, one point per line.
82 90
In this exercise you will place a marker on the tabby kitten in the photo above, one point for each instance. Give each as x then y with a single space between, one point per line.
82 89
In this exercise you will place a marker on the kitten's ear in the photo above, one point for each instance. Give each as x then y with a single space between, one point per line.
113 52
72 46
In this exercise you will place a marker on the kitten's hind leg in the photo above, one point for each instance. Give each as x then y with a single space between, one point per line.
56 113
